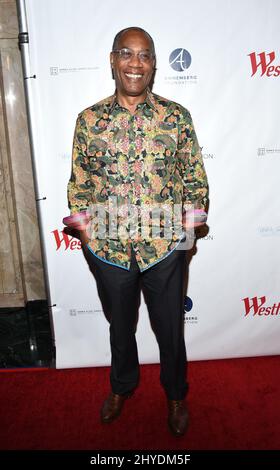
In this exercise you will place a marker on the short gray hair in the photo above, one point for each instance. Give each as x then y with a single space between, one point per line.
120 33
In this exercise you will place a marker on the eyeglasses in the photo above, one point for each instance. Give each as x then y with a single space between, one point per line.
126 54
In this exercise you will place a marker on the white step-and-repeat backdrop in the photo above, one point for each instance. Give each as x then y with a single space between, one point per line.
227 73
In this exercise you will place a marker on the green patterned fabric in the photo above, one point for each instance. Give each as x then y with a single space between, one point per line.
150 159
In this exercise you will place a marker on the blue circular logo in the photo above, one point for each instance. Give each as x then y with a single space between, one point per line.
188 304
180 60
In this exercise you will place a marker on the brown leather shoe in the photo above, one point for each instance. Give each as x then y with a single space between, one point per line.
178 418
112 407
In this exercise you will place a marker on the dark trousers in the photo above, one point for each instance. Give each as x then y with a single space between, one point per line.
163 288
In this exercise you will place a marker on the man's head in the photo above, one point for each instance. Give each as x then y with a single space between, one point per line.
133 61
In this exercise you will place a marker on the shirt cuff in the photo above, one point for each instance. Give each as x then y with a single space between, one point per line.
77 221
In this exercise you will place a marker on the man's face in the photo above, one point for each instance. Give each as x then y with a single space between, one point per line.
132 75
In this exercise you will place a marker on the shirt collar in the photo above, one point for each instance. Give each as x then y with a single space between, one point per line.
149 101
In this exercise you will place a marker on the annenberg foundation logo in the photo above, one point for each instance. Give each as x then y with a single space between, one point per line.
256 306
180 60
265 64
188 305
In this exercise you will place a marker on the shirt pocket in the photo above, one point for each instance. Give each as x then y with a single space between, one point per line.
164 146
102 160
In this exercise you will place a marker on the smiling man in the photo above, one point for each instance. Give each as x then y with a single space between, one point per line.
133 63
136 156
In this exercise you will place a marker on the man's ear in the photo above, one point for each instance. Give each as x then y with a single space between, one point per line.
112 64
112 60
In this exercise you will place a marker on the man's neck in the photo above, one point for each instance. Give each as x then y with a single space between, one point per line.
130 102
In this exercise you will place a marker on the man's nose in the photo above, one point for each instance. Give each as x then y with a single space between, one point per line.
135 60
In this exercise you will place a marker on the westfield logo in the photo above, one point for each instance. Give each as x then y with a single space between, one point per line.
264 63
256 306
65 241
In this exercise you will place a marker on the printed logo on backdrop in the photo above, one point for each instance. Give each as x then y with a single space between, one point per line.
54 71
188 305
207 237
268 152
65 242
269 231
180 61
206 155
73 312
258 306
265 64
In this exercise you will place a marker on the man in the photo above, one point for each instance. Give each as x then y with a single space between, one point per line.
136 156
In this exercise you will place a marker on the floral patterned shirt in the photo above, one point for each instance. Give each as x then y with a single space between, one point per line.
150 159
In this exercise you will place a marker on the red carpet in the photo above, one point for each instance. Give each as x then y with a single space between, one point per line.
234 404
